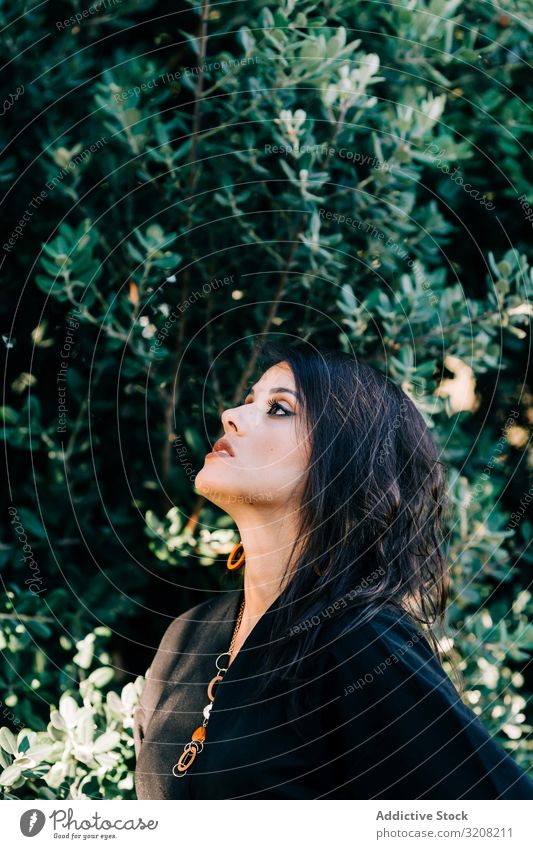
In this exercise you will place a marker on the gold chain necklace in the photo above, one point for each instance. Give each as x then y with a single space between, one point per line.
196 744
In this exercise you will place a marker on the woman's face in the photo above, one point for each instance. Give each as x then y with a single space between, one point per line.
270 455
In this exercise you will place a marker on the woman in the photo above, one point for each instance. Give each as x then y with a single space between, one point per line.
321 677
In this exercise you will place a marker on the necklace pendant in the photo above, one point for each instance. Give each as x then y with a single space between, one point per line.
196 744
185 760
199 734
212 683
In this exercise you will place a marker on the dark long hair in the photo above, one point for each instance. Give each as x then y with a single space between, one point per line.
371 515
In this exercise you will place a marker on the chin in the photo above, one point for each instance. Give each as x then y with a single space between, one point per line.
210 485
215 484
218 492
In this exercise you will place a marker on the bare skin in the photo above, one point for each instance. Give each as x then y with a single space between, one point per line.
260 487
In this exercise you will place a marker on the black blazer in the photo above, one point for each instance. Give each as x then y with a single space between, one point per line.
378 718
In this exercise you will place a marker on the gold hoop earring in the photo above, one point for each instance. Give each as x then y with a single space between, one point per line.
236 563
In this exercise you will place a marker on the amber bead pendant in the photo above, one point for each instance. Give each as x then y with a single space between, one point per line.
196 744
189 753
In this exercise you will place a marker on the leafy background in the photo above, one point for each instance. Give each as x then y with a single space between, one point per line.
357 174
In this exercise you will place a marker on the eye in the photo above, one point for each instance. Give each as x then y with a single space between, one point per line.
274 405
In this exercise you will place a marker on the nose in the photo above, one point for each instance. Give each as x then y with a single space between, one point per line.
229 420
241 419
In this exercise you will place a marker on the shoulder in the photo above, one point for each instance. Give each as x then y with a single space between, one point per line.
384 668
384 640
387 624
191 621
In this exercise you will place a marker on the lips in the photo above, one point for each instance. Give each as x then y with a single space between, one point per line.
223 446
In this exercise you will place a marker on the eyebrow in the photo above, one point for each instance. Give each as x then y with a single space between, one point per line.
277 389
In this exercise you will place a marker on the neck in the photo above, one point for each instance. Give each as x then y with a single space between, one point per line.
267 546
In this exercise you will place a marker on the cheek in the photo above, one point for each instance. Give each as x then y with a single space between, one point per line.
286 454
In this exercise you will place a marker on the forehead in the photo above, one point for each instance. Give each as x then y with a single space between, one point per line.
274 375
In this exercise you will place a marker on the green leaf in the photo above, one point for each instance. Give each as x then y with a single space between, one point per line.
24 745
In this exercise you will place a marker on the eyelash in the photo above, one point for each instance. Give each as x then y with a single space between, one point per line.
272 404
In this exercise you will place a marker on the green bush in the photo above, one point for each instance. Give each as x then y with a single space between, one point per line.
353 174
86 750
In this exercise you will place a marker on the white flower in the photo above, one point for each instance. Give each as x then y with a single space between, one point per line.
299 118
433 107
291 124
351 84
372 60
